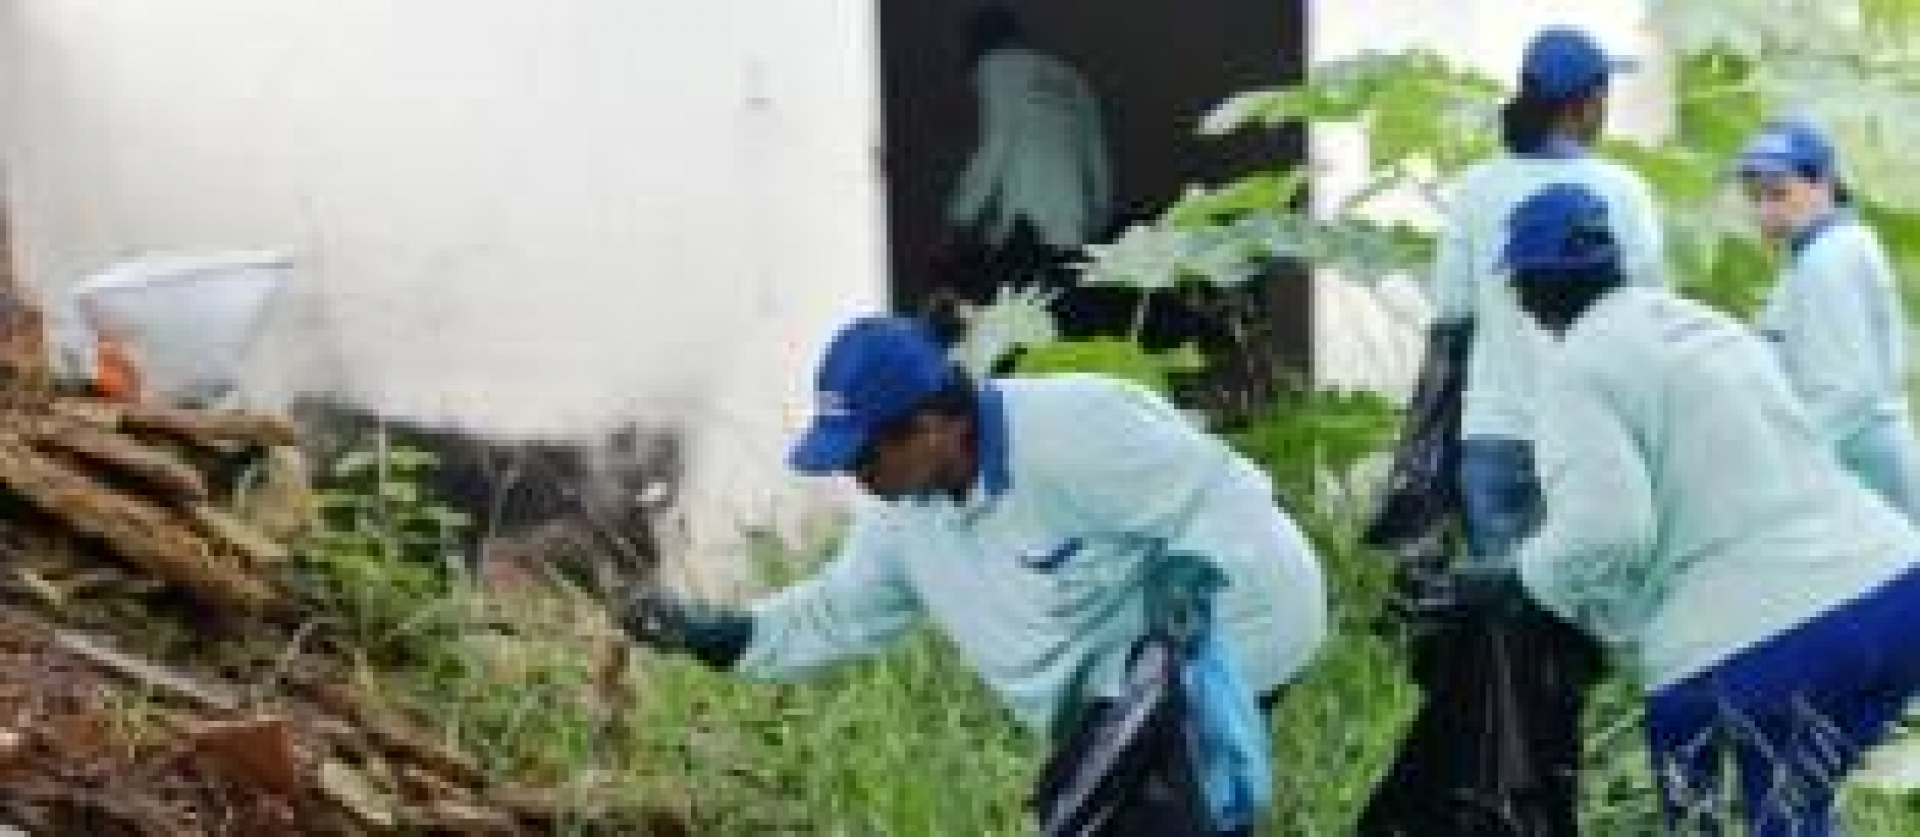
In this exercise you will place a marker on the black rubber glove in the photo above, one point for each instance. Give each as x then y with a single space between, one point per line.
1428 600
1421 493
716 636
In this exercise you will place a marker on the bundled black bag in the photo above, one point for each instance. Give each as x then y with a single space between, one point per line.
1125 769
1126 766
1495 748
1421 494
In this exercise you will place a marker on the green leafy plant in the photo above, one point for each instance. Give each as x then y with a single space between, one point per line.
1316 440
1426 119
386 551
1116 357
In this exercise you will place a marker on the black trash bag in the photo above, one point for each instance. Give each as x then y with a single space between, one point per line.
1125 769
1495 748
1422 492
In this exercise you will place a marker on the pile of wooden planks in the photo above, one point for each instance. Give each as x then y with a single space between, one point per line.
150 485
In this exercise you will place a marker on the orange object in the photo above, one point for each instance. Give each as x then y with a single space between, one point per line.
116 375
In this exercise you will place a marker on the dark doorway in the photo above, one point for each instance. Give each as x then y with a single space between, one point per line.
1156 67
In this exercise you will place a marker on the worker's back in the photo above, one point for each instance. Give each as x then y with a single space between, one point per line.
1037 582
1468 281
1751 524
1042 153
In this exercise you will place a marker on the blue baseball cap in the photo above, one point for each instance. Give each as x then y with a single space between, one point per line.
1787 147
1564 62
1558 233
875 370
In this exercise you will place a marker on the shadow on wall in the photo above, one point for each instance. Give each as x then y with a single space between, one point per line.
589 510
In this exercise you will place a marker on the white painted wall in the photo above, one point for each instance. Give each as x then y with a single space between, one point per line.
542 217
531 217
1373 339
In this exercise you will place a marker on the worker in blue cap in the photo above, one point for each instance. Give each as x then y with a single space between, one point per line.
1548 131
1020 516
1696 523
1834 318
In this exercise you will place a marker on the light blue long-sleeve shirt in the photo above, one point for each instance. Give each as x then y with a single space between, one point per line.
1034 577
1692 510
1835 323
1468 283
1042 155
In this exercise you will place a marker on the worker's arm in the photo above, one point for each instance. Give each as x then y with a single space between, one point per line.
1822 333
1421 493
1453 285
1591 557
856 606
1643 256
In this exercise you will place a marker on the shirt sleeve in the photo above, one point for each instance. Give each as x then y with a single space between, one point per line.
1454 284
1643 245
1591 559
858 605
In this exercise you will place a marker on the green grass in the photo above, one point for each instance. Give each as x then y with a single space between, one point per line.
908 743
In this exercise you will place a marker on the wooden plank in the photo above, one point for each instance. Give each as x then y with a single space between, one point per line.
152 675
224 528
396 739
150 465
210 428
138 531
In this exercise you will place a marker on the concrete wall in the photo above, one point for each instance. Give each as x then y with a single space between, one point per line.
531 218
541 218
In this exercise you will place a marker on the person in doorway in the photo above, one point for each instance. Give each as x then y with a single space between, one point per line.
1696 522
1515 770
1042 155
1037 186
1834 319
1019 515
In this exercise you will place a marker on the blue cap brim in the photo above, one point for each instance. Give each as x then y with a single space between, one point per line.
1765 165
829 446
1609 68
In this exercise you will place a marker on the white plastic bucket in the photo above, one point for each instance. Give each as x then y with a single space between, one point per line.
187 319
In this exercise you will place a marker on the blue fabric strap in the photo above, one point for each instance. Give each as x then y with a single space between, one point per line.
1231 751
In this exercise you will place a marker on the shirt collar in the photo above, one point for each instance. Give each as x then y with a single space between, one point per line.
1805 236
996 473
1559 147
